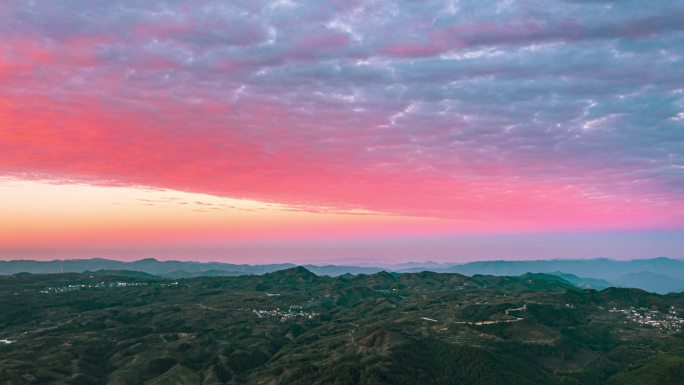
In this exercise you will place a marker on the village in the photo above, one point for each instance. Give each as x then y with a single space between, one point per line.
81 286
293 312
670 322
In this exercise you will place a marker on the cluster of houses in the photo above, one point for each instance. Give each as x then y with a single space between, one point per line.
670 321
81 286
101 285
293 312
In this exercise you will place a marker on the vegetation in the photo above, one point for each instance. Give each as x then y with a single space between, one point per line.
294 327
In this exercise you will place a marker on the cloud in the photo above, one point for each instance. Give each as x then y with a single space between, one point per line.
509 113
528 30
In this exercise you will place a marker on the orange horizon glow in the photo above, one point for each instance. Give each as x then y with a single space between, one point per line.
58 219
42 213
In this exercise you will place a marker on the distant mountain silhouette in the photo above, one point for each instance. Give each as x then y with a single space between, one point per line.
168 269
584 283
602 268
653 282
659 275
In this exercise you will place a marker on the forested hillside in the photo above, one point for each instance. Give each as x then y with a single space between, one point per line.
294 327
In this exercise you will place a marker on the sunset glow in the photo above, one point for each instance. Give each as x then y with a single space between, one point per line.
136 128
64 214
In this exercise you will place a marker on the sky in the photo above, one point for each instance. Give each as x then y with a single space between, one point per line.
341 131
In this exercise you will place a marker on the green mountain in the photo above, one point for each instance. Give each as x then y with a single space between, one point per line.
295 327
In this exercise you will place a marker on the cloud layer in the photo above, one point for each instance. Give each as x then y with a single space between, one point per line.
505 115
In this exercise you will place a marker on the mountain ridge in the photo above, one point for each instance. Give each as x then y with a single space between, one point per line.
595 273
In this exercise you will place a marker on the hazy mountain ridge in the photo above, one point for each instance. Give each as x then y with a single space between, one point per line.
659 275
649 281
595 268
169 269
583 282
147 265
632 273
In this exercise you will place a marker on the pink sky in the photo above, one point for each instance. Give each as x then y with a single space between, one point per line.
132 129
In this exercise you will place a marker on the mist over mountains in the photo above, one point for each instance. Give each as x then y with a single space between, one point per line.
659 275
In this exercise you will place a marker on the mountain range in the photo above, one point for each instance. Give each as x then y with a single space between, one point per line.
294 327
659 275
